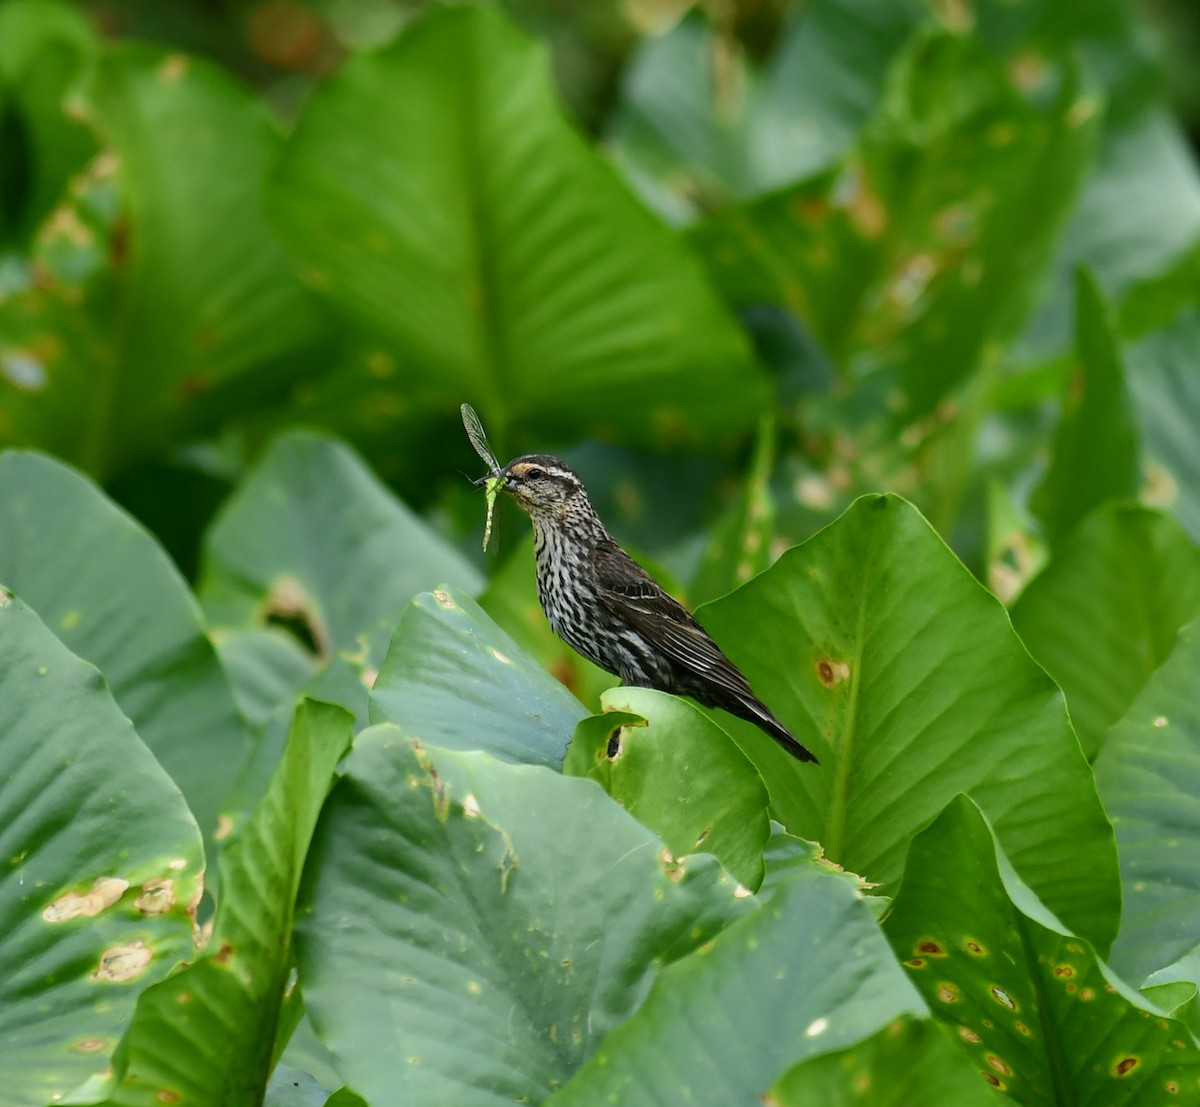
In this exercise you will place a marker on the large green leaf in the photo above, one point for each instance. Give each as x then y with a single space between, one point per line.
1166 387
453 678
1148 773
1032 1005
111 594
439 197
675 770
45 48
1095 455
456 944
127 337
1103 615
807 973
1138 209
908 1063
312 541
880 650
905 260
206 1036
102 866
698 124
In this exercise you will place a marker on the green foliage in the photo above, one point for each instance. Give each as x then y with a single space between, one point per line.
1011 980
521 273
475 930
229 998
102 865
1148 773
856 304
907 680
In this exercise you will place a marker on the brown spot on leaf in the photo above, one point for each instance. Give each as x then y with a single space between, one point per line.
969 1035
121 963
947 993
975 948
1064 972
930 947
165 1095
673 867
92 1045
106 891
998 1064
1125 1066
992 1079
157 897
224 955
832 672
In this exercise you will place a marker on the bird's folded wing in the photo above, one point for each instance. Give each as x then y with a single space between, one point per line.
636 598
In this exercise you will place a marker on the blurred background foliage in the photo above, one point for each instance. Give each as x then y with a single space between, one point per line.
739 261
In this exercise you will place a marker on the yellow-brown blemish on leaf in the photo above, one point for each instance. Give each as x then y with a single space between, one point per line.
224 955
1087 993
975 948
1026 70
969 1035
92 1045
916 963
165 1095
106 891
157 897
1064 972
1021 1028
224 828
865 209
992 1079
673 867
998 1064
832 672
1002 997
947 993
288 602
930 947
121 963
1125 1066
172 68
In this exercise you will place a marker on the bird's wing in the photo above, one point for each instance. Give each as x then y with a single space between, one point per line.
637 598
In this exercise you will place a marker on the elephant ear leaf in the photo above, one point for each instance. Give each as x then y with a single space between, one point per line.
103 866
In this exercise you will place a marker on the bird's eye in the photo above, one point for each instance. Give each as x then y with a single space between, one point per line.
534 474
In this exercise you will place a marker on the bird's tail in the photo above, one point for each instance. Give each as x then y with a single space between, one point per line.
756 712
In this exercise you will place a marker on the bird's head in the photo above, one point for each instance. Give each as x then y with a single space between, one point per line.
544 486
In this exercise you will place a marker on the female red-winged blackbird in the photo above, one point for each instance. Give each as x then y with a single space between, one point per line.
604 605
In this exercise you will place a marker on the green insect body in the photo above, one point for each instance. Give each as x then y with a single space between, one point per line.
474 429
